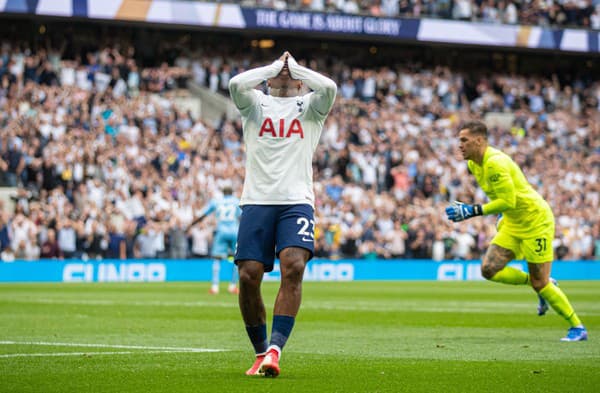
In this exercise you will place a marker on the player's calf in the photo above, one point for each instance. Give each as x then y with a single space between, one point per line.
543 307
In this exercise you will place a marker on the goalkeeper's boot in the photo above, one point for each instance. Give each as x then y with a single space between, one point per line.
270 366
255 369
576 334
543 304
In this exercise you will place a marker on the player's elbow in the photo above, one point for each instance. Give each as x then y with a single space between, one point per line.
330 89
234 86
327 94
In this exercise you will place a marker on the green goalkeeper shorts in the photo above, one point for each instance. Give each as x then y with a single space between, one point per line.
534 248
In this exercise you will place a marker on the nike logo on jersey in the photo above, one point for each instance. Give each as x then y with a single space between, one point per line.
295 127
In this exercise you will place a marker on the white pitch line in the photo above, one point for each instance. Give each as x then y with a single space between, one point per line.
165 349
430 306
100 302
50 354
398 306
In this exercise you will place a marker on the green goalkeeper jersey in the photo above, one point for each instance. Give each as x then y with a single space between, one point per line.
524 211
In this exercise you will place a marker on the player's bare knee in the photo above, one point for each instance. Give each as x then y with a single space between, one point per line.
293 262
250 275
293 274
538 283
246 279
488 271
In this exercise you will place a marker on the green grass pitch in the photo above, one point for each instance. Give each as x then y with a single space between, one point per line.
349 337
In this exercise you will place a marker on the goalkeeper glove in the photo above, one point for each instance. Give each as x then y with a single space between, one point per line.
459 211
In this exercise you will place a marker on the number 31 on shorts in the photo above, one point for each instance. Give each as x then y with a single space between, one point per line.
538 249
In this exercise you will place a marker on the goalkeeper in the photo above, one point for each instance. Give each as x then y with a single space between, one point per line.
525 229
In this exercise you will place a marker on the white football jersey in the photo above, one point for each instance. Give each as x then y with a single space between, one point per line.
281 134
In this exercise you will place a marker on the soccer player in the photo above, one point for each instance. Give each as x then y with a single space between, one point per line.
525 229
227 213
281 132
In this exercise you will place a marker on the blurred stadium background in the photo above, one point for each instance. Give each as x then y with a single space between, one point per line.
116 128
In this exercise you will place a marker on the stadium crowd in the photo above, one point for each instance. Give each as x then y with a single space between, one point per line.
581 13
106 166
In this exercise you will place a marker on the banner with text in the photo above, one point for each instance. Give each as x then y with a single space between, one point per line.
331 23
233 16
152 270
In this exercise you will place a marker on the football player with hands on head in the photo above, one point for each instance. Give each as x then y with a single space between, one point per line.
281 131
525 228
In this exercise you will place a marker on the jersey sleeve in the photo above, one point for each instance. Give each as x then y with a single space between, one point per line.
209 208
324 88
241 86
499 177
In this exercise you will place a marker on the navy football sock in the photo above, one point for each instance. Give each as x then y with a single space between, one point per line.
282 327
258 337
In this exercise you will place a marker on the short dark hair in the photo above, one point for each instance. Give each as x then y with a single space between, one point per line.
475 127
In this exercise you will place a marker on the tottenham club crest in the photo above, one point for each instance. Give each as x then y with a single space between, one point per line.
300 104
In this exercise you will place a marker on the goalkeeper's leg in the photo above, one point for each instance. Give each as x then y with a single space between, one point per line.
556 298
493 267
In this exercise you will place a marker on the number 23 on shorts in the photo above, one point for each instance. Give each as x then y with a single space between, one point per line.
307 229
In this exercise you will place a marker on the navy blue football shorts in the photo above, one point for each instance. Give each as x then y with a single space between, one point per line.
265 230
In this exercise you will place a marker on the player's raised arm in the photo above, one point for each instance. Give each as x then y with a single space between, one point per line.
324 88
206 210
241 85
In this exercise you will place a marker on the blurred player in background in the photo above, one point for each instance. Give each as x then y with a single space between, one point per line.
525 229
281 132
227 213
